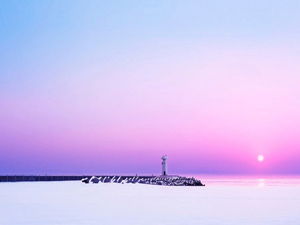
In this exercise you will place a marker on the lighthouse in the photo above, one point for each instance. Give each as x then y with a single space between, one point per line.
164 165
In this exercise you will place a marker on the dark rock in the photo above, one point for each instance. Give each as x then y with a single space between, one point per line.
85 180
94 180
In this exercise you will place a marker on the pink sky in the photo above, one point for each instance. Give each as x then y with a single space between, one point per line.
217 109
110 91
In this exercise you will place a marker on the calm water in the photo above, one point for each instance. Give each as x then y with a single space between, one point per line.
251 181
226 200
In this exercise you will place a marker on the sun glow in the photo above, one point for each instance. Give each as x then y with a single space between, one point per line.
260 158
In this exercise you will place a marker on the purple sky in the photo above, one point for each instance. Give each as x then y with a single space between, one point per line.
99 87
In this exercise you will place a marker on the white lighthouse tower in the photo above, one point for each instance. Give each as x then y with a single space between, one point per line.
164 165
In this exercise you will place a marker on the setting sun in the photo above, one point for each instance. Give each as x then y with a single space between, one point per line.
260 158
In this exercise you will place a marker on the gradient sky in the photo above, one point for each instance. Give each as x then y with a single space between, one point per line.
110 86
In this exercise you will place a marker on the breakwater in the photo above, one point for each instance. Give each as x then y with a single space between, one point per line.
19 178
153 180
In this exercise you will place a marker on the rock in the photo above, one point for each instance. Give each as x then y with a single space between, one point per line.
85 180
94 180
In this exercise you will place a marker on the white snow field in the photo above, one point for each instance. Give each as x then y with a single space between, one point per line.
75 203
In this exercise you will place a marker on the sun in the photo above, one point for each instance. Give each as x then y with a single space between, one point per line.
260 158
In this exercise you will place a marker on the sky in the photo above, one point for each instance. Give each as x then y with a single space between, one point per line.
108 87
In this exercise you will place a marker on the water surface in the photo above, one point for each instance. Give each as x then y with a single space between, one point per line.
225 200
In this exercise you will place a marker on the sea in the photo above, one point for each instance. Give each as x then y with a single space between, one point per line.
228 200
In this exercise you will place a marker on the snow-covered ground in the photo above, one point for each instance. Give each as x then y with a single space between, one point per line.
75 203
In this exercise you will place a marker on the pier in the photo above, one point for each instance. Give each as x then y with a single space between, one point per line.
28 178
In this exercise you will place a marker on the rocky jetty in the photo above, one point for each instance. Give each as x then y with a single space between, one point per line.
153 180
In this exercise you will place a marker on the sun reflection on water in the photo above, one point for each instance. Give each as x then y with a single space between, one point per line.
261 182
